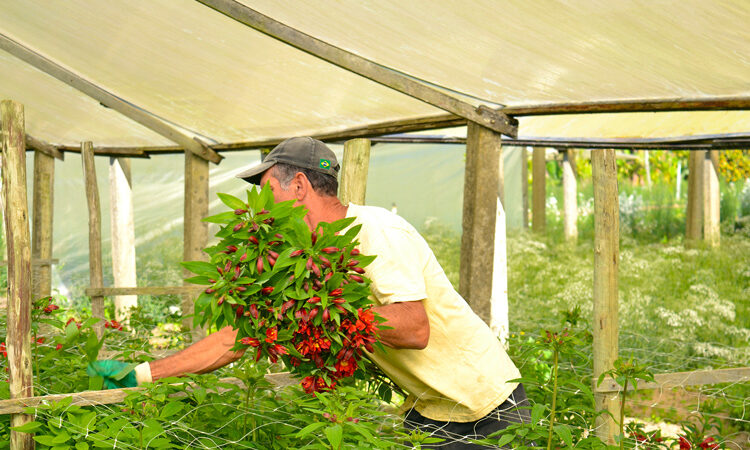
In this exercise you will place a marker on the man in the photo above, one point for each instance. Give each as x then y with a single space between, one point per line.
455 370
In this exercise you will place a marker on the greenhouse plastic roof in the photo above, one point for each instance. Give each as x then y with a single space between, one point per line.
220 80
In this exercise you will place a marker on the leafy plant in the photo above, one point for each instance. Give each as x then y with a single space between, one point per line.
290 293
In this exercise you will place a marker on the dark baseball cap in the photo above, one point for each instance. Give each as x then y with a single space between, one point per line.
303 152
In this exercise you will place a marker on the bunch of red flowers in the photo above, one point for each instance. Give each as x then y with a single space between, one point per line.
291 294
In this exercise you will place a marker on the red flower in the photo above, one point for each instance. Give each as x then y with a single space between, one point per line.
267 290
115 325
708 443
58 347
40 340
308 384
684 444
74 321
271 335
250 341
346 368
51 308
275 351
3 351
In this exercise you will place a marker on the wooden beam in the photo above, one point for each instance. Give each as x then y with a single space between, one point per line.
144 290
195 230
570 198
625 106
694 215
482 115
96 276
606 262
17 240
44 147
539 189
479 214
711 199
108 99
44 188
683 379
354 171
110 396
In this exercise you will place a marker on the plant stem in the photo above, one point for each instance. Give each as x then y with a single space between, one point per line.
34 362
622 414
554 400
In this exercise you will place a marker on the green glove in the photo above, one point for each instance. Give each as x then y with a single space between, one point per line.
116 374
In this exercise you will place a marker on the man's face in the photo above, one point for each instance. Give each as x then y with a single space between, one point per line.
279 194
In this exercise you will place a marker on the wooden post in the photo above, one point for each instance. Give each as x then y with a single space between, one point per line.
195 230
711 199
96 277
694 216
354 171
525 186
570 198
44 186
123 234
479 214
18 340
538 190
606 262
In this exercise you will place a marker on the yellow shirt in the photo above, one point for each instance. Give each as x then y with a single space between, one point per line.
463 372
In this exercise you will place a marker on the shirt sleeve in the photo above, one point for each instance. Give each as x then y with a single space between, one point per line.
397 273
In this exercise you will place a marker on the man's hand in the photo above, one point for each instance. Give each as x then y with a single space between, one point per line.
116 374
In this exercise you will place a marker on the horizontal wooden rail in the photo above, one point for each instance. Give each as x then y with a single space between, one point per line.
143 290
680 379
110 396
36 262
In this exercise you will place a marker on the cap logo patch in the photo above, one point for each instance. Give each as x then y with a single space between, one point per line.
325 164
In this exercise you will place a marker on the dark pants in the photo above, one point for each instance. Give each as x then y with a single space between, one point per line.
456 435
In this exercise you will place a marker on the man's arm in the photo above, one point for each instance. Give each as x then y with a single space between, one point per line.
410 328
206 355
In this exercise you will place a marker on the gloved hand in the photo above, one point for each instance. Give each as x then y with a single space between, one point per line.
116 374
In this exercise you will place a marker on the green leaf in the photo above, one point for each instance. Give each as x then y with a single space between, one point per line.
199 267
170 409
199 280
82 446
124 372
505 439
96 383
224 217
563 431
537 411
231 201
334 434
27 427
309 429
46 439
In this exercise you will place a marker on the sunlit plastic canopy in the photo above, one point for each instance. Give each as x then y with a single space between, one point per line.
213 77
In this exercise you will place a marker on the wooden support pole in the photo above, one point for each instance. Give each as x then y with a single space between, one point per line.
694 216
711 199
570 198
354 171
525 186
123 234
44 186
606 262
195 230
538 190
96 276
17 239
479 215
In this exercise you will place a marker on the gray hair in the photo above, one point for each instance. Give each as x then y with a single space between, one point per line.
321 183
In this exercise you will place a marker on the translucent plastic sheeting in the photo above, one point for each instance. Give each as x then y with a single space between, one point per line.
57 113
196 68
522 52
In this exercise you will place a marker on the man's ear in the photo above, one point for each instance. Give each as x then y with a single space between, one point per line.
301 186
